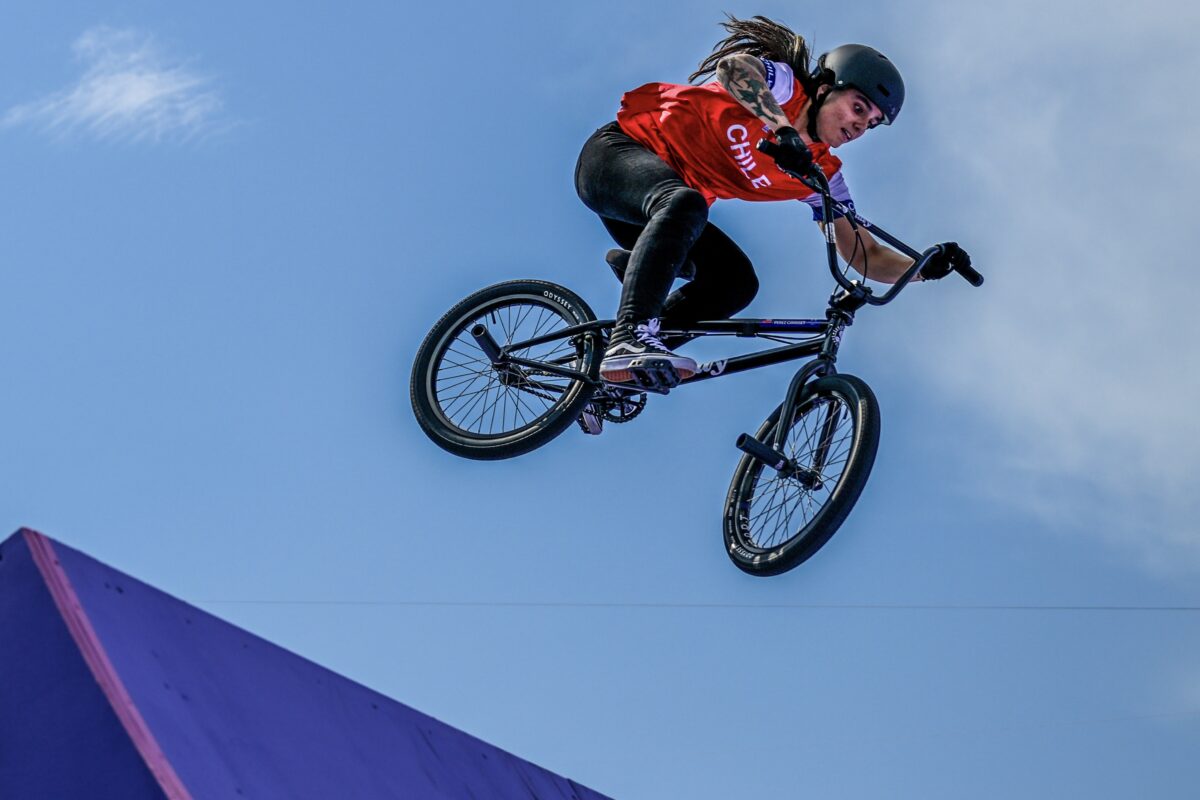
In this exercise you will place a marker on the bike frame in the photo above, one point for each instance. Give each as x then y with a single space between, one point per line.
851 296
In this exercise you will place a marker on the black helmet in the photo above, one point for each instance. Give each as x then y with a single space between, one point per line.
867 70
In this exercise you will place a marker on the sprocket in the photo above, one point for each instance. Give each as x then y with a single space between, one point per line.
623 408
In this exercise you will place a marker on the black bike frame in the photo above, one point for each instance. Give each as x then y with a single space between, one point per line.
840 314
824 348
740 327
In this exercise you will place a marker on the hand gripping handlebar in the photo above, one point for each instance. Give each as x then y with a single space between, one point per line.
815 179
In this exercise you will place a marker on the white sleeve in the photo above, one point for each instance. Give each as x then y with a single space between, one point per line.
780 80
837 189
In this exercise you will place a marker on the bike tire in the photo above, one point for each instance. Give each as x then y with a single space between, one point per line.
469 408
762 535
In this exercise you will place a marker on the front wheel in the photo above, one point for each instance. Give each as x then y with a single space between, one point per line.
775 520
475 408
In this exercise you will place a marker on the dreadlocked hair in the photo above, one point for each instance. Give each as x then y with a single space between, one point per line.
763 38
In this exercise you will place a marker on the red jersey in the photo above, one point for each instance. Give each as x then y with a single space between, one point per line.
710 139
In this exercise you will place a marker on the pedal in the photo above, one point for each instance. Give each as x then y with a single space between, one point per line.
654 375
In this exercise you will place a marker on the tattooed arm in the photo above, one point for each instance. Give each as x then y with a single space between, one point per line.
743 77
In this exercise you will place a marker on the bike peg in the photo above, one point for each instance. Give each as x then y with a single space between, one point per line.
489 346
761 452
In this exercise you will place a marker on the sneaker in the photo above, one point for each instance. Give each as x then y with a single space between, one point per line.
635 346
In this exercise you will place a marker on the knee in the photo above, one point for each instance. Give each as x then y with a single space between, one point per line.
740 284
683 205
744 291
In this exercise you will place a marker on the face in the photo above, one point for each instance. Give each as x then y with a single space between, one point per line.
846 115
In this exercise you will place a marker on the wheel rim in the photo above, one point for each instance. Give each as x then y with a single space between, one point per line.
474 398
777 509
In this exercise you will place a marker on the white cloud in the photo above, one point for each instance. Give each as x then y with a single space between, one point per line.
130 90
1069 145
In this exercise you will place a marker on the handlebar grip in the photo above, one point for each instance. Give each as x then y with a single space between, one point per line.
813 173
972 277
768 147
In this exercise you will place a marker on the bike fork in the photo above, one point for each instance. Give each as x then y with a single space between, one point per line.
771 453
813 369
828 429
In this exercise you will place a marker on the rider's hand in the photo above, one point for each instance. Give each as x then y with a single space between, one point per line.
945 262
792 154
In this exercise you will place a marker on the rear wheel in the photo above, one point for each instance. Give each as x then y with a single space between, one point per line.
775 520
473 408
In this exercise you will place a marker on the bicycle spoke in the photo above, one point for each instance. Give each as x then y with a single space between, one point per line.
772 505
492 423
781 512
465 395
771 522
521 402
785 530
471 409
537 328
474 363
448 383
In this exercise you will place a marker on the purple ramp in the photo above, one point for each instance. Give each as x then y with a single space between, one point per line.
110 688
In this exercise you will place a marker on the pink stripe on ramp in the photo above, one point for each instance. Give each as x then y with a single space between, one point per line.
102 669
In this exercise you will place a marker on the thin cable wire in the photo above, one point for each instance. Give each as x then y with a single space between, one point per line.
1023 607
858 244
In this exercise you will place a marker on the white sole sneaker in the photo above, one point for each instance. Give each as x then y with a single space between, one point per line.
620 369
641 347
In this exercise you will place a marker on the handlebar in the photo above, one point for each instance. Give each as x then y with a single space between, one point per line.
815 179
969 273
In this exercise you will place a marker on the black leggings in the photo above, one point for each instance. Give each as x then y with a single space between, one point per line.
648 209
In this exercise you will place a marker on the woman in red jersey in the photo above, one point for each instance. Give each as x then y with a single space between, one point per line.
674 149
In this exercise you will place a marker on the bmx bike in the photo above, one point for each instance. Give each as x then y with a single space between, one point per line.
513 365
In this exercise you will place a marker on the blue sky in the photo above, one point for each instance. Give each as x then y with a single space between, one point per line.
227 228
